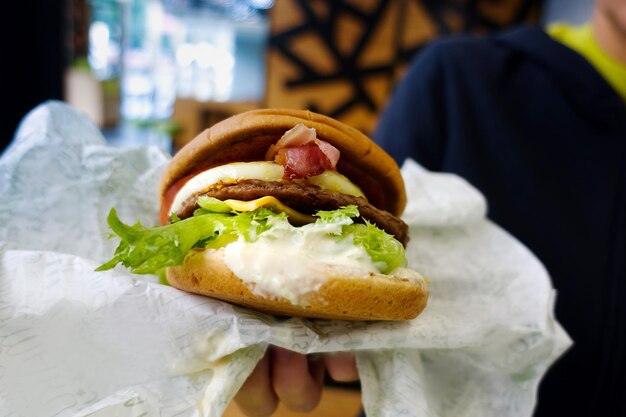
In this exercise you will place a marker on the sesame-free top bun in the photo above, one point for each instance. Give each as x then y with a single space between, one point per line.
247 136
341 297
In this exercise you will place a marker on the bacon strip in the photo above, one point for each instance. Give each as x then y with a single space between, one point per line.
303 161
329 150
296 136
302 154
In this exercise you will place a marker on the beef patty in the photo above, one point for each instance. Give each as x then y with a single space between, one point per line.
304 197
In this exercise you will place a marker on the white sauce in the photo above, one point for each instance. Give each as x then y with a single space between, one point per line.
291 264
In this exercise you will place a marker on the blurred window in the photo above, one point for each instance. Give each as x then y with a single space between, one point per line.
160 50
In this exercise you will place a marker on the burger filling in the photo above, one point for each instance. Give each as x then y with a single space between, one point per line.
304 198
265 171
295 200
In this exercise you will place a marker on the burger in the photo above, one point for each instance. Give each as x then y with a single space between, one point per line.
283 211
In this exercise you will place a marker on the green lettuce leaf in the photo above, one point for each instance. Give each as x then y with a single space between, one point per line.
386 252
146 250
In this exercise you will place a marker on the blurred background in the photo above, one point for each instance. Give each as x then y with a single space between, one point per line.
160 71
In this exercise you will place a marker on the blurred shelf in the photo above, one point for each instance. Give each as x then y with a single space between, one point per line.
192 116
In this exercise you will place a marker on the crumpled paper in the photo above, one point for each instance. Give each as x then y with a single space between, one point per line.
74 342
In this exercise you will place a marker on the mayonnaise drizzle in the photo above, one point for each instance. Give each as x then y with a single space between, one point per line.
292 263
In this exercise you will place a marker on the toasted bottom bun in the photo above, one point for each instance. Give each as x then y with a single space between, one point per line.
370 297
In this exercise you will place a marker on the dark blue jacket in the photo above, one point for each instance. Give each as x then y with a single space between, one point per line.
531 124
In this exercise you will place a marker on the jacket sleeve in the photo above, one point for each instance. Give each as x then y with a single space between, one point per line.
412 125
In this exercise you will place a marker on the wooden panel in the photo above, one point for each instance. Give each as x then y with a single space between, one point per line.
343 57
427 19
333 56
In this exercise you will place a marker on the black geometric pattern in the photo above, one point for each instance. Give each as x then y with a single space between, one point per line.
473 20
347 66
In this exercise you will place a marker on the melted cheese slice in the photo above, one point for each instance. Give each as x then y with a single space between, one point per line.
261 170
273 203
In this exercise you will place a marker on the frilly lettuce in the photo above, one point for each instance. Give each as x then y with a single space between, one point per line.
150 250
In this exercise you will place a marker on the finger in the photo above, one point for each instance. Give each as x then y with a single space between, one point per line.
297 383
256 398
342 367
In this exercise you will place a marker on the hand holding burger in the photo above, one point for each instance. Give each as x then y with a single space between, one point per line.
284 211
293 379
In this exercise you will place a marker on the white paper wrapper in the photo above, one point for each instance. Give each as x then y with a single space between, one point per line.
74 342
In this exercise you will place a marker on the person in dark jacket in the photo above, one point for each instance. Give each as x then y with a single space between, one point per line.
536 120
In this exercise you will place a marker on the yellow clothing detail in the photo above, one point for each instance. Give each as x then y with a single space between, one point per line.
582 40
